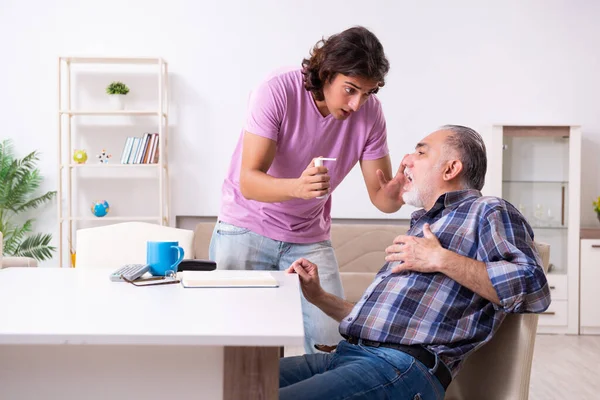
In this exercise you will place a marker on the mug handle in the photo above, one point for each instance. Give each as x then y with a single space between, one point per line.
179 257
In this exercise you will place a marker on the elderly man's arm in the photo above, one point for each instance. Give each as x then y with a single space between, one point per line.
510 275
470 273
428 256
513 263
330 304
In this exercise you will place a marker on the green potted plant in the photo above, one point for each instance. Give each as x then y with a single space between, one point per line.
597 207
116 92
18 196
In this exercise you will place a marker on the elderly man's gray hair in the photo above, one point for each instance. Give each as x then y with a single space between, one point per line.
471 152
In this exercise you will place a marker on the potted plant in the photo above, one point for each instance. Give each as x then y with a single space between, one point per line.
597 207
20 180
116 92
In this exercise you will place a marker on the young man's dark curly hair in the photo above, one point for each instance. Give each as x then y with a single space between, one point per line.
353 52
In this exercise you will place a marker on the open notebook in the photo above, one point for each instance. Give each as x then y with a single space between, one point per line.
226 278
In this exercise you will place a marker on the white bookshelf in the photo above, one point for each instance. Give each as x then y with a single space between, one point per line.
67 135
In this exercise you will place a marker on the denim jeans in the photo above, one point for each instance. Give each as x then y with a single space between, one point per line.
357 372
232 247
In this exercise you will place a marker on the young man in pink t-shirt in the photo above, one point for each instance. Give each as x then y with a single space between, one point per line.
276 203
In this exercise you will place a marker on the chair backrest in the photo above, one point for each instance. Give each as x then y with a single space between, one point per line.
501 369
112 246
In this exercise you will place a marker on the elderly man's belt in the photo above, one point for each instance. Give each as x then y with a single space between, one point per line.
442 373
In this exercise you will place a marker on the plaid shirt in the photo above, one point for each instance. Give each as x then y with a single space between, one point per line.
436 311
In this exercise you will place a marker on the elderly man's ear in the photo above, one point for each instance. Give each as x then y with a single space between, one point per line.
452 170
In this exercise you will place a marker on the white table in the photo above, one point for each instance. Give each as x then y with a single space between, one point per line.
73 334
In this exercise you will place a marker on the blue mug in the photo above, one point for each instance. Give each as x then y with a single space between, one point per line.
163 257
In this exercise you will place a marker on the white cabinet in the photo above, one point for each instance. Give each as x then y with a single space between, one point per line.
590 286
537 169
556 316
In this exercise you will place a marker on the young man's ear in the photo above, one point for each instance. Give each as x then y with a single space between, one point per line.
452 170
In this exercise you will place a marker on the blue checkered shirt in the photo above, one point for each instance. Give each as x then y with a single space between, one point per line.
436 311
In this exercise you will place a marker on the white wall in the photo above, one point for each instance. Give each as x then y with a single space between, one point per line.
465 62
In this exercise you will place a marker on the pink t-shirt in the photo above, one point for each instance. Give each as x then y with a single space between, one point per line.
282 110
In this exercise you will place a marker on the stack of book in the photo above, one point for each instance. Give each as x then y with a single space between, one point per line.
141 150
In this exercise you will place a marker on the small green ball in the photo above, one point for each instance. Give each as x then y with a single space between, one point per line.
80 156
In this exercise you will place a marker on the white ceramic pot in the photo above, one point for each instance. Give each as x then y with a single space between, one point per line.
117 101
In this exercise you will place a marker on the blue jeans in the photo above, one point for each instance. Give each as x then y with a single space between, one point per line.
357 372
232 247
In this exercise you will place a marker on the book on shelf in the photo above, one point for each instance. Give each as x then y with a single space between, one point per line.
141 150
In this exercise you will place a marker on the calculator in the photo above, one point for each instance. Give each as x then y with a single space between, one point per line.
129 271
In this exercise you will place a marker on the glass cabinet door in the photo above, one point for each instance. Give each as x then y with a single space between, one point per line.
535 179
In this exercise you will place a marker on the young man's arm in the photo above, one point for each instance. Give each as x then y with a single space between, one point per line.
257 155
384 190
330 304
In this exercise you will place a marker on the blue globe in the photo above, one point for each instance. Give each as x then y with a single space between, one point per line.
100 208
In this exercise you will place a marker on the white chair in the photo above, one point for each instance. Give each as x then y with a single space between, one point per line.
112 246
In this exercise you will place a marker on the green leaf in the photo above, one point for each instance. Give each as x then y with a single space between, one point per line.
19 182
14 235
36 246
21 189
117 88
35 203
6 153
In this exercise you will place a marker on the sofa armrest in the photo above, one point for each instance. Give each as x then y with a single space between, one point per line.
355 284
8 262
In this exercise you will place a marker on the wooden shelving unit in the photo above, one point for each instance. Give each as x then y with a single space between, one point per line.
67 220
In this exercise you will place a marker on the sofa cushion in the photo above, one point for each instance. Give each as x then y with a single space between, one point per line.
202 234
361 247
360 251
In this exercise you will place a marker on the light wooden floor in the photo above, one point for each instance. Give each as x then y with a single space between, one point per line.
564 367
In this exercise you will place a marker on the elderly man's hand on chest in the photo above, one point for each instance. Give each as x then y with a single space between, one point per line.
417 254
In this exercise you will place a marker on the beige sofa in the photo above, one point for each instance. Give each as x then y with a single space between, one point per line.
6 262
359 249
497 371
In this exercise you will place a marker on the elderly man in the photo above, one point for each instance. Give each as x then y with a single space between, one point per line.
466 261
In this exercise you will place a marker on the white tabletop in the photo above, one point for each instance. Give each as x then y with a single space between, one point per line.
82 306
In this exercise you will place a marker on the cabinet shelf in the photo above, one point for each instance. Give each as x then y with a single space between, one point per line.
114 60
536 182
111 112
111 219
109 165
555 271
559 227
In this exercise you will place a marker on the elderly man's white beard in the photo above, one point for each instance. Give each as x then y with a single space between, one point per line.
418 196
413 198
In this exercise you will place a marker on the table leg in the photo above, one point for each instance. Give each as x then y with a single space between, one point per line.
251 373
